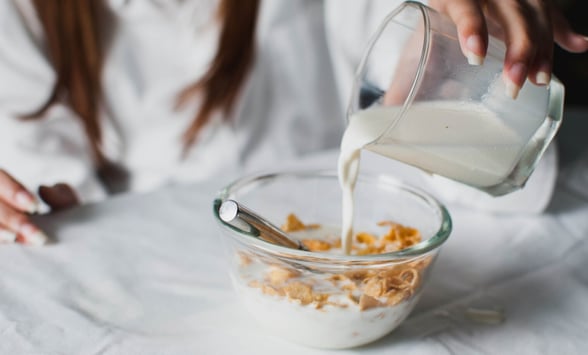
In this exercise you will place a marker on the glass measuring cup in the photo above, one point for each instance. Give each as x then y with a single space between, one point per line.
417 100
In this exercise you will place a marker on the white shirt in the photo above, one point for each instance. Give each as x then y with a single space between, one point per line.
290 105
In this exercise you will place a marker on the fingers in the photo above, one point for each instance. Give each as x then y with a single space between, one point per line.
15 202
529 28
565 37
7 236
59 196
16 195
522 41
15 226
471 27
540 65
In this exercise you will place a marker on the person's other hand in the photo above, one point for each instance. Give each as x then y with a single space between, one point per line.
17 203
528 27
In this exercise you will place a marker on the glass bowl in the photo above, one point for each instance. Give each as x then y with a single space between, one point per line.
328 299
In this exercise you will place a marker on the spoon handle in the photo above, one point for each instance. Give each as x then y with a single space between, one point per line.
230 211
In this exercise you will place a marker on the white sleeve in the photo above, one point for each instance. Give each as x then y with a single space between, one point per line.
47 150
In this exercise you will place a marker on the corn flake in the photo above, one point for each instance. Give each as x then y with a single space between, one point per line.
278 275
316 244
367 302
366 288
366 238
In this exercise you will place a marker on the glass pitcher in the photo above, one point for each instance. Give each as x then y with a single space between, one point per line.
419 101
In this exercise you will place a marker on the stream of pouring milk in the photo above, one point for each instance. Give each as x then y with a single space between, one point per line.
464 142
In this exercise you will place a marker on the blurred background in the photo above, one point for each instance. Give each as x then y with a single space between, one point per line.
572 69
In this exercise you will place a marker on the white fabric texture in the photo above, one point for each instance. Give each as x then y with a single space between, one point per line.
146 274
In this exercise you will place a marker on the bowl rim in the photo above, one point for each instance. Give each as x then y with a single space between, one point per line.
415 251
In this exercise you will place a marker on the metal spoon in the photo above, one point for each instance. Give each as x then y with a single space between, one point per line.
236 214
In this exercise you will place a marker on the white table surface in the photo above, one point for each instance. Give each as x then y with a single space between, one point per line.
145 274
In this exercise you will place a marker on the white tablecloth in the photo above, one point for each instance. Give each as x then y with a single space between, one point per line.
144 274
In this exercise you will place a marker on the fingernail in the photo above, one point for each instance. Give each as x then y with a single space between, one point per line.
512 89
7 236
517 71
474 45
542 78
586 39
474 59
26 202
33 236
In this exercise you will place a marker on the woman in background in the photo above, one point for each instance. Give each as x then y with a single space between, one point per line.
101 96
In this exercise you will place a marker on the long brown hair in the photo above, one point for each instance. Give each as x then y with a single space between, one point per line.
73 41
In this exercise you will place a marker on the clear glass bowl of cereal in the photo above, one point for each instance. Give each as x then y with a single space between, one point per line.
322 297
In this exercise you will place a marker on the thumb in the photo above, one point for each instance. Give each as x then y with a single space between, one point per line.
59 196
